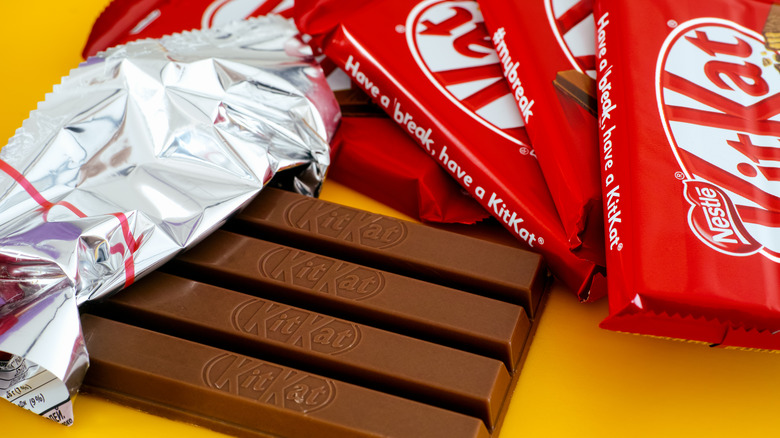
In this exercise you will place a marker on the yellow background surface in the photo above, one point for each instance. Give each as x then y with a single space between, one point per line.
578 381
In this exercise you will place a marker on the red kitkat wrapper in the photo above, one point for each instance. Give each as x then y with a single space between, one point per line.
432 67
547 56
129 20
374 156
689 96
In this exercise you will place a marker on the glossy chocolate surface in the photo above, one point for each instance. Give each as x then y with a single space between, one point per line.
256 338
408 248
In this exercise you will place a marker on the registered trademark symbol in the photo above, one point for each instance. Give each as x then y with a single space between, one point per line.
679 175
672 23
620 246
400 28
524 150
540 240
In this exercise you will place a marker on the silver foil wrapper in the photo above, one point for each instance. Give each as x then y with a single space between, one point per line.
138 154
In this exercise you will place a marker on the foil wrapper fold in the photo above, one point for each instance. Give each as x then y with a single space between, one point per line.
140 153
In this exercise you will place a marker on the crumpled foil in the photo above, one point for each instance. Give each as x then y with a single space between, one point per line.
138 154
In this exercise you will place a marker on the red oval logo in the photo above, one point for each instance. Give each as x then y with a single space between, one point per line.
712 217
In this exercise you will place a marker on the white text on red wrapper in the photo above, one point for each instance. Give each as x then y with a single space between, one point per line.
606 129
510 73
510 218
452 24
401 117
411 125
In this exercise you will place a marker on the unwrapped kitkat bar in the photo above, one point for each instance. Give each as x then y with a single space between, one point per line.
302 340
432 67
690 168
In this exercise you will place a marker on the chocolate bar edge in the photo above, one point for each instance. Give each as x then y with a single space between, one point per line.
262 219
246 395
174 318
578 87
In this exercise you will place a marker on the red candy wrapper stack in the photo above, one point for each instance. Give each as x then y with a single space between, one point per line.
547 53
689 124
432 67
671 167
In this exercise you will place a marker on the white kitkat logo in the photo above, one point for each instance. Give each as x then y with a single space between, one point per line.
718 94
450 43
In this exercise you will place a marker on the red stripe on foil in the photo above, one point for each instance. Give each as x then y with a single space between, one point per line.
34 193
22 181
132 243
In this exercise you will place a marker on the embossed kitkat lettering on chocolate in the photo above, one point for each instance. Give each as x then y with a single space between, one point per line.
573 24
718 92
451 45
268 383
321 274
304 329
344 223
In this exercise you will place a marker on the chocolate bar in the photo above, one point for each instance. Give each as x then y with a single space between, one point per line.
578 87
356 292
255 338
478 266
245 396
375 358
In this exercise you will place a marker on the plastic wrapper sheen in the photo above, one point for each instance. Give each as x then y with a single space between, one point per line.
690 170
139 153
